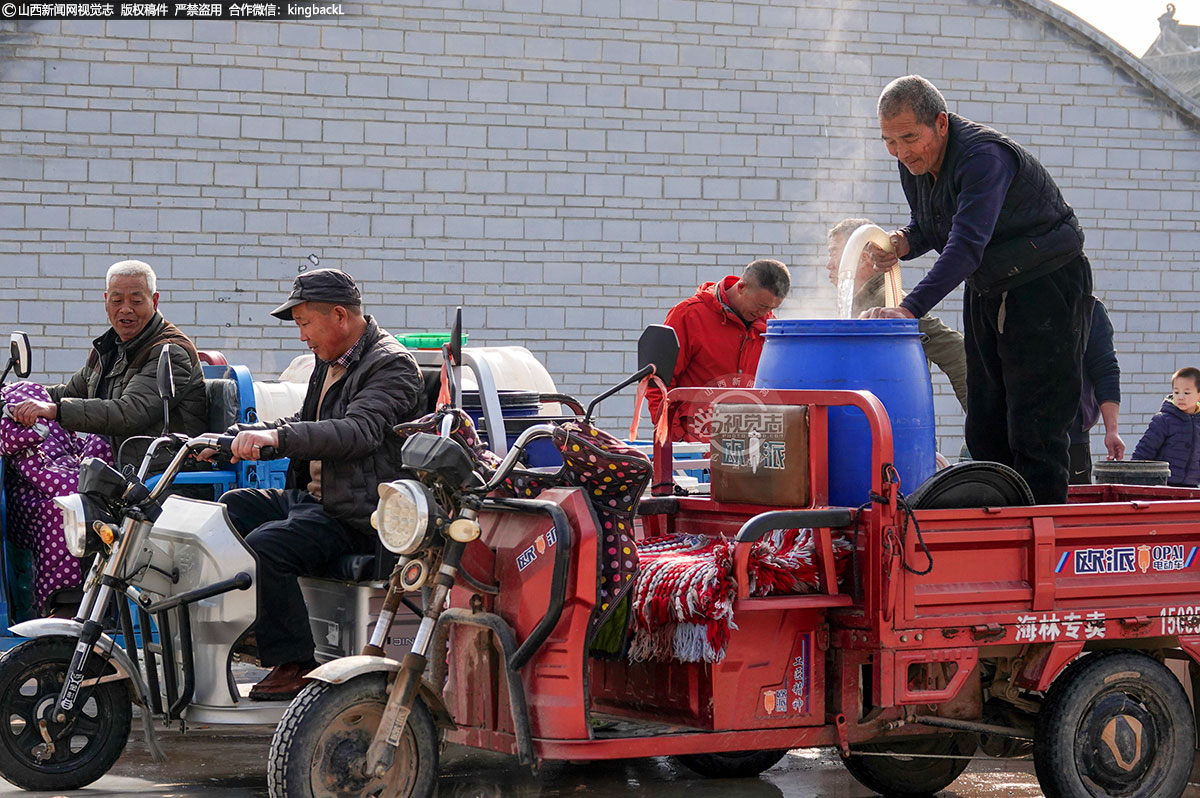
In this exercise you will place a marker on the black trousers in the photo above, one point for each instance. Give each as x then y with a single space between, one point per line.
292 536
1024 374
1081 463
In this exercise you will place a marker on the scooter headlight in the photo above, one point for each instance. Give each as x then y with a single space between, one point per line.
402 517
87 526
74 523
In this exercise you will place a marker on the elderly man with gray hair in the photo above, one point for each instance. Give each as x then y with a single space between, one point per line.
1001 225
116 392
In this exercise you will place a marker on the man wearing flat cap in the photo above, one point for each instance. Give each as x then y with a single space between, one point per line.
341 445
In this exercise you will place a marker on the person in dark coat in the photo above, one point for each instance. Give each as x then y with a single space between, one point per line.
1174 432
116 392
1000 224
1101 397
342 445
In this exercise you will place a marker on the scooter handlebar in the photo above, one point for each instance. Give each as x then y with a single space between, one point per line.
224 444
510 460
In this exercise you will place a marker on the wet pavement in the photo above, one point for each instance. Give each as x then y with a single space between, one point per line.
230 764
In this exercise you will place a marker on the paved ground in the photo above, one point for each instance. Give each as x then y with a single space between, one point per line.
230 765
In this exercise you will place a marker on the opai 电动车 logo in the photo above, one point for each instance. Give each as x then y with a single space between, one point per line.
1129 559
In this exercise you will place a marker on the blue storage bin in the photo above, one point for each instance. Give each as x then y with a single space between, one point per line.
520 410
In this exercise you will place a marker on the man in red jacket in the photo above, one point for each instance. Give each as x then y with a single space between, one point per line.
720 333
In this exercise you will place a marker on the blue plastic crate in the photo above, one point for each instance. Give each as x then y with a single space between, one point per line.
271 473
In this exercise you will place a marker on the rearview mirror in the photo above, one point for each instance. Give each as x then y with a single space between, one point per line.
659 347
19 354
166 380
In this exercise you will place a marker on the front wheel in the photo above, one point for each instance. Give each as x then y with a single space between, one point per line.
735 765
912 767
320 747
31 676
1114 723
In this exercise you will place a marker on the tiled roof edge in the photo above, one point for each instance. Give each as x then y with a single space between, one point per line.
1115 52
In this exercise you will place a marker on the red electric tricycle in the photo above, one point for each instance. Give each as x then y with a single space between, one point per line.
909 632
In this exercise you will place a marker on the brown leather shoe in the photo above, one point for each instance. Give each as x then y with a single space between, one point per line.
283 682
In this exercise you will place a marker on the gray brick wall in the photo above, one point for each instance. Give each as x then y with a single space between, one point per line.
565 169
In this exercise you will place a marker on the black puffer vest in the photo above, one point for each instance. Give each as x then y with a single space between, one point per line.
1037 231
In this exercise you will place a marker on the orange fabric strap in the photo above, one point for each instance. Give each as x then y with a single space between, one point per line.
443 398
660 426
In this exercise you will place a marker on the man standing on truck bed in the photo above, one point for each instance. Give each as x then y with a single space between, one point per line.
1101 397
1001 224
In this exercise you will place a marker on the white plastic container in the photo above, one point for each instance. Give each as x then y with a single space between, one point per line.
274 399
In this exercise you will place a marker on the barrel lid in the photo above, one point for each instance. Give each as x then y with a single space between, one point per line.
515 425
1132 472
1151 466
842 327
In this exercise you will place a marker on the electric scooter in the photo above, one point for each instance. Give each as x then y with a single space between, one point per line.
68 691
368 725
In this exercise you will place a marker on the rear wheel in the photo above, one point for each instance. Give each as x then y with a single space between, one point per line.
1114 723
31 676
320 747
734 765
913 767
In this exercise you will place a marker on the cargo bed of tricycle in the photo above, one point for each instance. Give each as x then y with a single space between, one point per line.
954 625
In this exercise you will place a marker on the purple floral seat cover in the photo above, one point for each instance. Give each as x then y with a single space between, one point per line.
42 462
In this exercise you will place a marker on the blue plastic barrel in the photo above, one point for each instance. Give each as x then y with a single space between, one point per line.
883 356
515 405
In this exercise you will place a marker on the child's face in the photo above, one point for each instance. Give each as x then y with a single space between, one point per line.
1184 393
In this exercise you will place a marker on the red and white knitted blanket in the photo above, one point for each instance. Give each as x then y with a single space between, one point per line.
683 598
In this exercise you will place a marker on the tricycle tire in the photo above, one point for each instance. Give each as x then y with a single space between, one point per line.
732 765
976 483
330 726
1103 708
31 674
905 776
